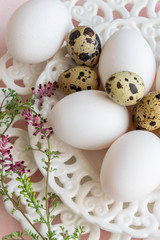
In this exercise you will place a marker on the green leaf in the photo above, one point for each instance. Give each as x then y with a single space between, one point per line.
52 217
31 235
13 211
18 235
6 199
13 194
28 148
48 152
45 168
36 221
38 146
43 160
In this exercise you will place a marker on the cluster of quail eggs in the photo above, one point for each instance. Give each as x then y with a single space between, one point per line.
94 120
123 86
84 47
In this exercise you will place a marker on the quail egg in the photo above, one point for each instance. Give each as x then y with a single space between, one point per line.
125 88
84 46
134 121
78 78
146 113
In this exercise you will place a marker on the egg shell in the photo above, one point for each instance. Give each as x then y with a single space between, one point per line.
125 88
127 50
130 169
134 121
77 79
84 46
88 120
147 112
135 124
36 30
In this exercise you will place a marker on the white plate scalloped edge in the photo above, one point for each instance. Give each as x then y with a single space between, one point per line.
79 185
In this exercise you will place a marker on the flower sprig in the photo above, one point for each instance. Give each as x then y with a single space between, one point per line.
10 107
6 159
47 90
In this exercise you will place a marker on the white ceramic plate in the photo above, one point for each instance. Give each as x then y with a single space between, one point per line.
76 179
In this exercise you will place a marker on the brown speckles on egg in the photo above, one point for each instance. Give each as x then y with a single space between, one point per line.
111 78
131 98
107 88
89 40
133 88
67 75
77 79
74 35
158 96
88 31
119 85
84 46
84 57
147 111
75 88
152 123
125 88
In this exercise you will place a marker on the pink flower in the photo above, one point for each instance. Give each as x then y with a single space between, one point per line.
17 167
6 159
38 123
47 90
5 151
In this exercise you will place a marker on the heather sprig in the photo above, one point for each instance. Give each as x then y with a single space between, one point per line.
47 90
12 104
6 159
38 122
10 107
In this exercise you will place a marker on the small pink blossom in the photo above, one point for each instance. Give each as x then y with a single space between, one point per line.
17 167
38 123
4 150
6 159
47 90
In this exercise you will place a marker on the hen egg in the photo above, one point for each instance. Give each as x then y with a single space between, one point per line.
127 50
130 168
88 120
36 30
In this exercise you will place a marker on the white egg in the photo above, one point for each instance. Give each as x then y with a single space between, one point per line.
127 50
130 168
88 120
36 30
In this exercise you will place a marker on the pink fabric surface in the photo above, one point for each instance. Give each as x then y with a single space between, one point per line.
7 223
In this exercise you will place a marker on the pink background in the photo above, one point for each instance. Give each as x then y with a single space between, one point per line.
7 223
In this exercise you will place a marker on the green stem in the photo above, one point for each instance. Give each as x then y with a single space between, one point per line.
1 106
19 208
33 202
39 150
46 190
20 107
12 119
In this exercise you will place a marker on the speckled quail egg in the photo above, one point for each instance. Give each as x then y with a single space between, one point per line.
84 46
125 88
77 79
146 113
135 124
134 120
